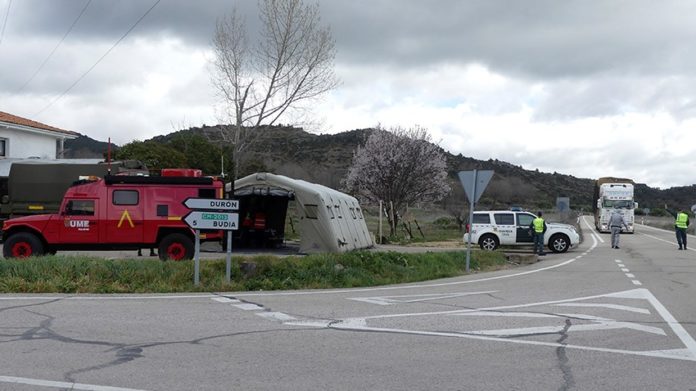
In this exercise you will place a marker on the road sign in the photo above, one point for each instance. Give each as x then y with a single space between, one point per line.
211 204
212 220
475 182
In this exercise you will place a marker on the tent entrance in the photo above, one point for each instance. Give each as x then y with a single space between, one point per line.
262 213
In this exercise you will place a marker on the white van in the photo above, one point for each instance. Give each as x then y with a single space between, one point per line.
491 229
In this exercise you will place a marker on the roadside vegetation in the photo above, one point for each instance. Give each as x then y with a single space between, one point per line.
63 274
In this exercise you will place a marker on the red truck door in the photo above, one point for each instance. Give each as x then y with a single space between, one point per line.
124 216
80 223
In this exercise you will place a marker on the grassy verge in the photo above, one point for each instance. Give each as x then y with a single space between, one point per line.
62 274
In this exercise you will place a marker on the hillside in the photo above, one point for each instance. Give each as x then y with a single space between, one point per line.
325 159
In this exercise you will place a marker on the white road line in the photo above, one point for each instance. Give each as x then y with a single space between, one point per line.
612 306
109 297
666 315
276 316
636 282
594 233
630 275
689 354
404 299
225 300
64 385
620 265
625 270
248 307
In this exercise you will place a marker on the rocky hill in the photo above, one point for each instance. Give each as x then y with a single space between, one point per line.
325 159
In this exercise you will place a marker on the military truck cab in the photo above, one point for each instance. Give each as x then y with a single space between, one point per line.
117 213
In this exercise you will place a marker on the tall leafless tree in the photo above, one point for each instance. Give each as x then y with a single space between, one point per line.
400 167
290 64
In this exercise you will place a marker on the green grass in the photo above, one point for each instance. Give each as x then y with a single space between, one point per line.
63 274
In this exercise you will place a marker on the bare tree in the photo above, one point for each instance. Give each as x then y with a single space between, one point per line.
291 64
399 167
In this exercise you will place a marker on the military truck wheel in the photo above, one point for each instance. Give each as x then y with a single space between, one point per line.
22 245
559 243
489 242
176 247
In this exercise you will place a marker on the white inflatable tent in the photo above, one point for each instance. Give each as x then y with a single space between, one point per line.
330 221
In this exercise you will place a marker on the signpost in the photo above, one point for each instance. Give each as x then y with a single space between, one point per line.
474 183
212 214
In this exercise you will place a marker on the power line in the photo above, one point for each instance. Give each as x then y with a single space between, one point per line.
7 14
98 61
55 48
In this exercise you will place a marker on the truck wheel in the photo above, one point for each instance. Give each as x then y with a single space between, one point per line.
488 242
559 243
22 245
176 247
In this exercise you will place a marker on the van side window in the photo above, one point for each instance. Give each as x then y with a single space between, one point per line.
524 220
482 218
504 218
79 208
125 197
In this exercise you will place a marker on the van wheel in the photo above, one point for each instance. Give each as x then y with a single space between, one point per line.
489 242
22 245
176 247
559 243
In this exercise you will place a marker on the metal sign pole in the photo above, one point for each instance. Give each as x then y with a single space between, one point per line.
197 260
472 202
228 268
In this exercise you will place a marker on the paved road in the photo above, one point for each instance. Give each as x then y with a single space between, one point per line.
594 318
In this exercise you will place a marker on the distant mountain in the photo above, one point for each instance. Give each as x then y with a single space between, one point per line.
85 147
325 159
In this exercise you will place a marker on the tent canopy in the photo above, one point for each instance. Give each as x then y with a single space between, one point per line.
330 221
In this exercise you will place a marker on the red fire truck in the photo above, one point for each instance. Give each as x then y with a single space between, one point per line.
117 213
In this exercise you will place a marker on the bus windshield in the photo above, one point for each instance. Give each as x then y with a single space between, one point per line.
621 204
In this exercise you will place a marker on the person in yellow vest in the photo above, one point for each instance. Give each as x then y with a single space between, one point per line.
681 223
538 228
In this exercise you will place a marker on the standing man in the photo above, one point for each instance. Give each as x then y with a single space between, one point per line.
681 223
538 228
616 221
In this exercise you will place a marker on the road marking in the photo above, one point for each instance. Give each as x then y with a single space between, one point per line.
276 316
389 300
660 239
630 275
688 353
612 306
625 270
225 300
592 230
248 307
64 385
636 282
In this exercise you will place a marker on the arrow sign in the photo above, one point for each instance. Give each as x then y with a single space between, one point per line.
212 220
211 204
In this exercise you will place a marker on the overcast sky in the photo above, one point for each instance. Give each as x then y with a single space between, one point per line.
585 88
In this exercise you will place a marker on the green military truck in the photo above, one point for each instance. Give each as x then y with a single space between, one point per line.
36 186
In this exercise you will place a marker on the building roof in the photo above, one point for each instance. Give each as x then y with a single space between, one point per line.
13 119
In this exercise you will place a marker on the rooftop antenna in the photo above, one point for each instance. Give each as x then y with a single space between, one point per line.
108 157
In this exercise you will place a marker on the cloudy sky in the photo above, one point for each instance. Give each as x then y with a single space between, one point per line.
586 88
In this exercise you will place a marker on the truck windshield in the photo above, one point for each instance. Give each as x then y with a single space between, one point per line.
621 204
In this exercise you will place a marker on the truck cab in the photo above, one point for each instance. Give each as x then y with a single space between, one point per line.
116 213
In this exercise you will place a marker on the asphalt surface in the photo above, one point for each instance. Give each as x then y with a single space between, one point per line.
594 318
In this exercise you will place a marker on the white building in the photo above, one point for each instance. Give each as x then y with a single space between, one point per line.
24 138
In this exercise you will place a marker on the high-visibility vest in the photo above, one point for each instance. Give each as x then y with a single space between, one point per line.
681 220
538 225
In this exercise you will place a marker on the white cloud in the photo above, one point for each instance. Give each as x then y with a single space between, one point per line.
585 90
